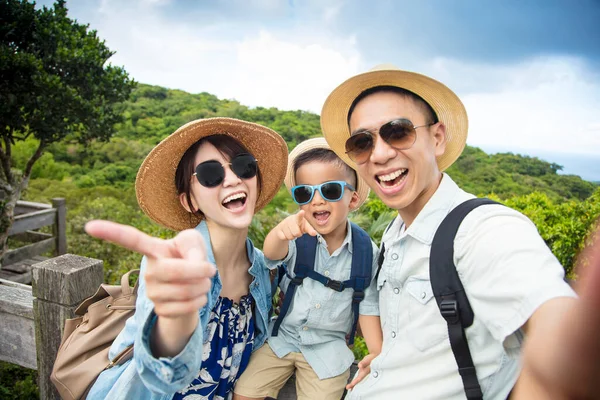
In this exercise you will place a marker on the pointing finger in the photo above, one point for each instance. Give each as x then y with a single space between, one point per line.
130 238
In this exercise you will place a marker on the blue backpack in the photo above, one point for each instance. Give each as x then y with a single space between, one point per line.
360 275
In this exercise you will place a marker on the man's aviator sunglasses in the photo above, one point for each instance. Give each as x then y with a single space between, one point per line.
330 191
398 133
211 173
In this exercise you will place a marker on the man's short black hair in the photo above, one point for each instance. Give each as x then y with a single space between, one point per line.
430 115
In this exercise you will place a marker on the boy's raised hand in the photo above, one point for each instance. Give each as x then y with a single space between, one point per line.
294 226
177 273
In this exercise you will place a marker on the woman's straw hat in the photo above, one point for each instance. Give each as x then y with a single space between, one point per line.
362 189
448 107
155 182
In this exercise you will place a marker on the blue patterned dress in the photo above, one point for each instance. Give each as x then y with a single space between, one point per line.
228 341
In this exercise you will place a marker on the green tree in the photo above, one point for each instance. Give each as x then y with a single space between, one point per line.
55 84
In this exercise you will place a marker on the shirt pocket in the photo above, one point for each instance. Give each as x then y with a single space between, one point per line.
340 314
426 325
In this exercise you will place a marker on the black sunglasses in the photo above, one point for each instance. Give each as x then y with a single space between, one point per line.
211 173
398 133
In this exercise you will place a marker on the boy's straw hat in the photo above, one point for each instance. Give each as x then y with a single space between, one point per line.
155 182
362 189
448 107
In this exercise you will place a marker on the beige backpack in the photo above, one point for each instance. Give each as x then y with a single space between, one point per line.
83 352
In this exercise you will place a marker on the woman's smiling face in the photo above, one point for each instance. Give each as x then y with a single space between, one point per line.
229 204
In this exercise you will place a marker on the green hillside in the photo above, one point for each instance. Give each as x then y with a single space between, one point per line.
97 180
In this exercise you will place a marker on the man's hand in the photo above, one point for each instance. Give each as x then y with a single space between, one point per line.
364 369
561 359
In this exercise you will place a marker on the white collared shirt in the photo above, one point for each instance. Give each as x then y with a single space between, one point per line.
507 272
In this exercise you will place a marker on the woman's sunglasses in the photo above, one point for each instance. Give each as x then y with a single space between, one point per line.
330 191
211 173
399 133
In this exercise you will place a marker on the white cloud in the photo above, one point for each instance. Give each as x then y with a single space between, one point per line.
275 72
544 103
547 104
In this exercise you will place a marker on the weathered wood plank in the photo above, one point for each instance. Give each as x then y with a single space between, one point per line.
16 301
11 276
33 205
60 227
67 279
31 236
28 251
17 340
17 333
59 285
15 284
31 221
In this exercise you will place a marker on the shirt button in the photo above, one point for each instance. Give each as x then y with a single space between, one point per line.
305 328
166 373
393 334
317 305
375 374
326 273
394 256
396 290
423 295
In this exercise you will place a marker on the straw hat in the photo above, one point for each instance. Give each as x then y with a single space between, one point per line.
446 104
362 189
155 182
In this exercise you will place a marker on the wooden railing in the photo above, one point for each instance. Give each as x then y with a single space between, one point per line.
33 316
29 217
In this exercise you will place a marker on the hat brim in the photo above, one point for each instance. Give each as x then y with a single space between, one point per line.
446 104
155 182
362 189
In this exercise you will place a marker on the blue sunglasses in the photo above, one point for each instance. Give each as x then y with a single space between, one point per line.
330 191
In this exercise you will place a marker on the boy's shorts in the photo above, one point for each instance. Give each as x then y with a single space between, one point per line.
266 374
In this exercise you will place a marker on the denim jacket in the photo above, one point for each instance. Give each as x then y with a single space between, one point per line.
147 377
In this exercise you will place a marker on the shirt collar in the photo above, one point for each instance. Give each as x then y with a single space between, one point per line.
203 229
347 240
431 216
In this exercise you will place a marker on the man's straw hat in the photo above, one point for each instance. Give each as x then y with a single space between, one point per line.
155 182
448 107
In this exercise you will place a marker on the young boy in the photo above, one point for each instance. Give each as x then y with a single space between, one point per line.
311 338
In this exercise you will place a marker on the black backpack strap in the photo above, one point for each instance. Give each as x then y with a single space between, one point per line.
306 250
382 251
450 294
361 270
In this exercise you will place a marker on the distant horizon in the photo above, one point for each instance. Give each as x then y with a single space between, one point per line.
585 165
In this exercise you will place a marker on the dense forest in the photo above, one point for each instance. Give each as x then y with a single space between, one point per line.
97 181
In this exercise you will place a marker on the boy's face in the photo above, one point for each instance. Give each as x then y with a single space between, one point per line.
326 216
403 179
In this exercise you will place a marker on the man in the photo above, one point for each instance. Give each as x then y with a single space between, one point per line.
401 130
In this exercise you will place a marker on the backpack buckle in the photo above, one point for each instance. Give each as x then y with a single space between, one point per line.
297 280
338 286
358 296
449 309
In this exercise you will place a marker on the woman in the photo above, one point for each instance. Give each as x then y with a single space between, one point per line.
194 326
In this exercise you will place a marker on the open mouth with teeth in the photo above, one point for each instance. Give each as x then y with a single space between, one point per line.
235 201
321 217
392 179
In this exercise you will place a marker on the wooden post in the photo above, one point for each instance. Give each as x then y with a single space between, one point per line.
60 227
59 285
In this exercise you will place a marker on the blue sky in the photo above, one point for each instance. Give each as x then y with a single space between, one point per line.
528 71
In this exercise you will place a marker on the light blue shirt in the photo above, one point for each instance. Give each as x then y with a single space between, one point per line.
148 377
319 318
